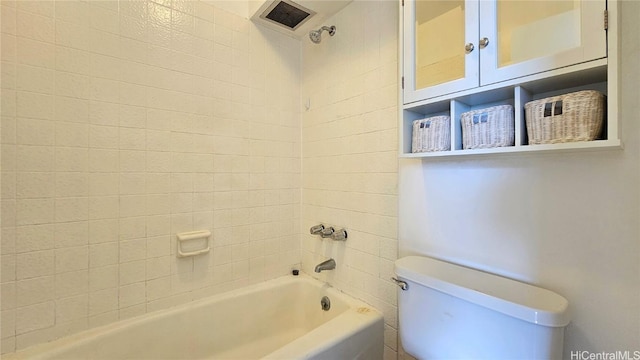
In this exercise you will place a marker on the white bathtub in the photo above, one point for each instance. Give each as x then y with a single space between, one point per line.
278 319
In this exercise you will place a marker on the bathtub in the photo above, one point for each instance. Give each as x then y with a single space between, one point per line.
278 319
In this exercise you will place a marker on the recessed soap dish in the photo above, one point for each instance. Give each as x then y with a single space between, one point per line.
203 235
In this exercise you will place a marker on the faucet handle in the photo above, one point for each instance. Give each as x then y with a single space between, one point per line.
340 235
327 232
315 230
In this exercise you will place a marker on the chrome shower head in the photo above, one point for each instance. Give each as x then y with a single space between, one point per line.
316 35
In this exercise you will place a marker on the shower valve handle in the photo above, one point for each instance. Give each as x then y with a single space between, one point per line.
327 232
340 235
315 230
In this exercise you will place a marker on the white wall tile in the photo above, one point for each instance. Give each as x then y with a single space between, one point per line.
72 109
103 207
72 60
34 105
103 254
132 160
34 238
132 294
104 18
35 53
132 228
8 295
35 317
71 209
132 272
104 43
101 231
73 85
104 137
8 19
34 290
8 267
104 90
70 234
35 185
34 79
72 11
104 113
158 288
71 159
103 184
72 259
132 139
133 205
158 267
8 321
104 277
72 134
131 250
103 301
72 308
102 160
72 283
34 211
72 184
158 246
115 138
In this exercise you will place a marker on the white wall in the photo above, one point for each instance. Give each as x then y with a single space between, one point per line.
349 154
124 123
565 221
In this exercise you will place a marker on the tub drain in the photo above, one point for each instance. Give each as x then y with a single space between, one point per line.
325 303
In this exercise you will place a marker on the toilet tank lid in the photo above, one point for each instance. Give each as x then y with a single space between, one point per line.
514 298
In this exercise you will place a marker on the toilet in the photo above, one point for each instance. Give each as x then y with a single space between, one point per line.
447 311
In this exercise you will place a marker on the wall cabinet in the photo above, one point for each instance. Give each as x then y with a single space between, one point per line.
460 55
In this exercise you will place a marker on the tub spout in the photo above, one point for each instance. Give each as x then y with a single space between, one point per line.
326 265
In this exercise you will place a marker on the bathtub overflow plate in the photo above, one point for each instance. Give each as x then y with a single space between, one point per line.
325 303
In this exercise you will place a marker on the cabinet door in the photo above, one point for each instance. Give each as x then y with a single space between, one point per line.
531 36
440 47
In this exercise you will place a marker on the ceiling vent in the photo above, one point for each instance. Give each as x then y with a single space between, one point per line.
287 14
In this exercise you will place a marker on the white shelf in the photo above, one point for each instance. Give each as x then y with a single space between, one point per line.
575 146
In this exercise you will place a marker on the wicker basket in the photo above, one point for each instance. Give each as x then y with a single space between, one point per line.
488 128
570 117
431 134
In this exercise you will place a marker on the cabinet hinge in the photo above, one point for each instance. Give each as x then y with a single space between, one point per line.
403 82
402 2
606 19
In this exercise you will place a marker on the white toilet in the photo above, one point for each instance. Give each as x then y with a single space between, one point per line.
449 311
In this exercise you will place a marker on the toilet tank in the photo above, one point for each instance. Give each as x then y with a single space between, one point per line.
453 312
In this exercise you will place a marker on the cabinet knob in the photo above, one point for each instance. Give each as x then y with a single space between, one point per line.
484 42
469 48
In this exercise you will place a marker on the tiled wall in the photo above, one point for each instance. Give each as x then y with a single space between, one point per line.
349 142
124 123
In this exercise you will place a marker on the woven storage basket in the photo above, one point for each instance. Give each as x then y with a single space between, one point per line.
431 134
570 117
488 128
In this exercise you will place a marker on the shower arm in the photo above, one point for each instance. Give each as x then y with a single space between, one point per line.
330 29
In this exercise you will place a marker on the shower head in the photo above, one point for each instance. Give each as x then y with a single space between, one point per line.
316 35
